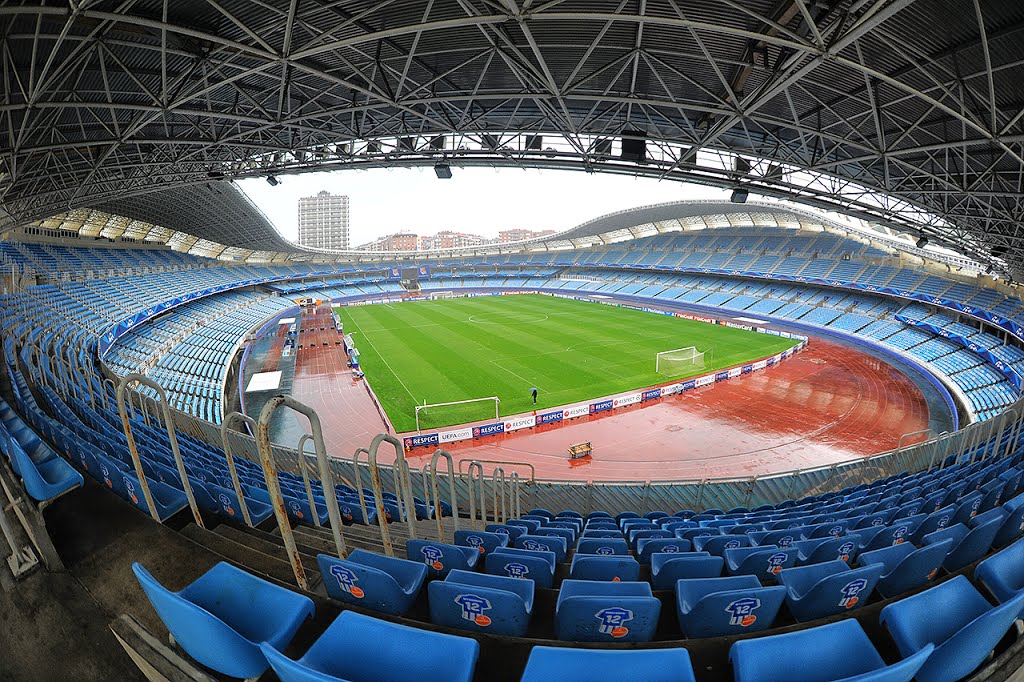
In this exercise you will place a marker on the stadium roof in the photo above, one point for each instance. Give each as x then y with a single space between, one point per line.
909 114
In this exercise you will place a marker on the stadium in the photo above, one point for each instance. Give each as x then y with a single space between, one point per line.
775 436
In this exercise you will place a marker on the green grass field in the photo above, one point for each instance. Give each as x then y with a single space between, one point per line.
456 349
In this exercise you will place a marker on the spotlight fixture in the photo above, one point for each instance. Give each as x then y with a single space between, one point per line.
443 171
273 181
739 196
922 242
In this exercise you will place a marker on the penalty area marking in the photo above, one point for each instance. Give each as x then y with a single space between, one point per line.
477 319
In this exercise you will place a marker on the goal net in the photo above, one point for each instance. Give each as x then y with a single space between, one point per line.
436 415
680 361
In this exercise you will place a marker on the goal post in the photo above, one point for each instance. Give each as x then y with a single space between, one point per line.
456 411
680 361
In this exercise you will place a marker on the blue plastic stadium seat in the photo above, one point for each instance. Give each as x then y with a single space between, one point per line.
718 607
592 611
568 534
359 648
482 541
968 545
1013 522
569 514
482 603
667 568
525 564
47 476
373 581
529 524
542 520
692 533
937 520
781 537
648 546
596 567
817 550
603 533
718 544
896 533
1003 573
222 618
541 512
546 543
548 663
831 653
763 562
603 546
957 619
828 588
511 531
905 567
599 515
440 558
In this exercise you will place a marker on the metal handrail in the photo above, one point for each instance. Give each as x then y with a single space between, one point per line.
304 468
438 514
475 466
403 488
499 484
122 389
899 445
229 420
274 486
515 502
359 485
503 462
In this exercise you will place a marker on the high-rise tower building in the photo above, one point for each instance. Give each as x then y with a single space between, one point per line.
323 221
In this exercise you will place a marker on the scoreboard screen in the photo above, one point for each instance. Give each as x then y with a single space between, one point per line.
410 273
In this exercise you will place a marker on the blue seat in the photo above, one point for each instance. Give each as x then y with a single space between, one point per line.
545 543
905 567
603 546
482 603
937 520
817 550
542 520
635 536
717 544
548 663
440 558
542 513
667 568
592 611
896 533
373 581
568 534
602 533
957 620
969 545
511 531
836 652
596 567
599 515
222 618
1003 573
1013 522
828 588
648 546
360 648
692 533
482 541
46 477
763 562
782 537
538 566
227 503
529 525
718 607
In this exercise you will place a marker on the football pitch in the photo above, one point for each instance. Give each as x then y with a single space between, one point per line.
457 349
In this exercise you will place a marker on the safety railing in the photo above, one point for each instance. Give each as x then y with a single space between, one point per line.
435 499
122 394
304 468
274 486
403 489
230 420
475 473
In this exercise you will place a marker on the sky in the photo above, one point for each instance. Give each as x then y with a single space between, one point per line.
477 200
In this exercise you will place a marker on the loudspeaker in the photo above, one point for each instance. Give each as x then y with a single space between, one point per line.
634 148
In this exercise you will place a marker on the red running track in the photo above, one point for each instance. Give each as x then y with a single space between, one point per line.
827 404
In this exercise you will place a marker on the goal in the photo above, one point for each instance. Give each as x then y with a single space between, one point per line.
435 415
680 361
